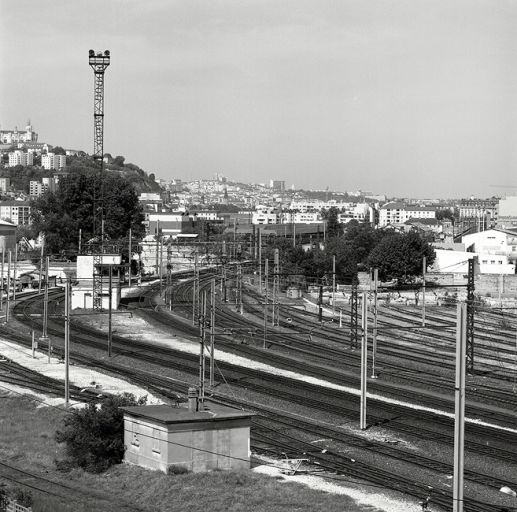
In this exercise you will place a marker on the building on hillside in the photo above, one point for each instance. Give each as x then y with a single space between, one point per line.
16 212
15 136
18 157
5 184
205 215
7 236
38 188
277 185
53 161
398 213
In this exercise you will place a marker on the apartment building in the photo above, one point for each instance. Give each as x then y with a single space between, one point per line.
53 161
16 212
399 213
18 157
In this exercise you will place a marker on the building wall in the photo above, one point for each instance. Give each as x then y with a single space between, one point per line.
196 447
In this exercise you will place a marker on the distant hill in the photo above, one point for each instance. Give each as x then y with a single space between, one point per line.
20 176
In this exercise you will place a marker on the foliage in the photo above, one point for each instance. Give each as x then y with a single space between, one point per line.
334 228
58 150
399 256
20 177
94 436
4 500
61 214
23 497
447 214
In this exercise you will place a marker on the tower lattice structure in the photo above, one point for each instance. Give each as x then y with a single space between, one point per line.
98 62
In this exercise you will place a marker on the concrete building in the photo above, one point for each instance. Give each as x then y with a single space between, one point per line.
53 161
20 158
507 215
398 213
5 184
16 212
162 437
82 294
7 236
169 224
265 216
493 242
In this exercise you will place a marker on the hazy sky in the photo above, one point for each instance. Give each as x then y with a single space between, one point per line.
407 97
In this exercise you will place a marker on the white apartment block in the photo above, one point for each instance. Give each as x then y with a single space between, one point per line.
20 158
399 213
290 217
5 183
35 188
15 212
52 161
264 217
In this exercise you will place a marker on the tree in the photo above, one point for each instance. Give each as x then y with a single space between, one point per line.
334 228
94 436
61 214
118 161
399 256
58 150
4 500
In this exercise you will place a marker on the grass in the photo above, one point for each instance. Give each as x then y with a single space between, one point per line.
27 441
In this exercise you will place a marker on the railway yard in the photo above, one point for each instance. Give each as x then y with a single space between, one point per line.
302 378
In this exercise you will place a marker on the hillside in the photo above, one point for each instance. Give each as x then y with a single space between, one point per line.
20 176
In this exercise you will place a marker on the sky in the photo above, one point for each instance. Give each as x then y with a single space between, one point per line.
400 97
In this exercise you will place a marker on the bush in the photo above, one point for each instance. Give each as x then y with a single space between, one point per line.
4 500
23 497
94 436
177 469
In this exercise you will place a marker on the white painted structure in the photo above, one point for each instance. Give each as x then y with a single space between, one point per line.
493 242
20 158
82 293
399 213
52 161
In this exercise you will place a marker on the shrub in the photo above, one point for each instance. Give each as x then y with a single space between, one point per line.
23 497
177 469
94 436
4 500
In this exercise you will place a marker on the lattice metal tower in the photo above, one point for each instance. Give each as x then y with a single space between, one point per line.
98 62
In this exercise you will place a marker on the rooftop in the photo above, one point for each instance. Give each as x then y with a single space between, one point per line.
167 414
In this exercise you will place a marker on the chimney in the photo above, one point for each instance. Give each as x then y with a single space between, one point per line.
192 399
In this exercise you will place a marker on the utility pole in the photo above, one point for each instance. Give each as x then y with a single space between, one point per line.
320 304
14 272
424 268
333 285
79 241
202 334
7 298
44 336
67 342
161 266
353 314
459 415
3 282
157 247
110 309
130 257
260 259
364 360
470 317
169 275
374 339
266 278
276 289
239 289
212 333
